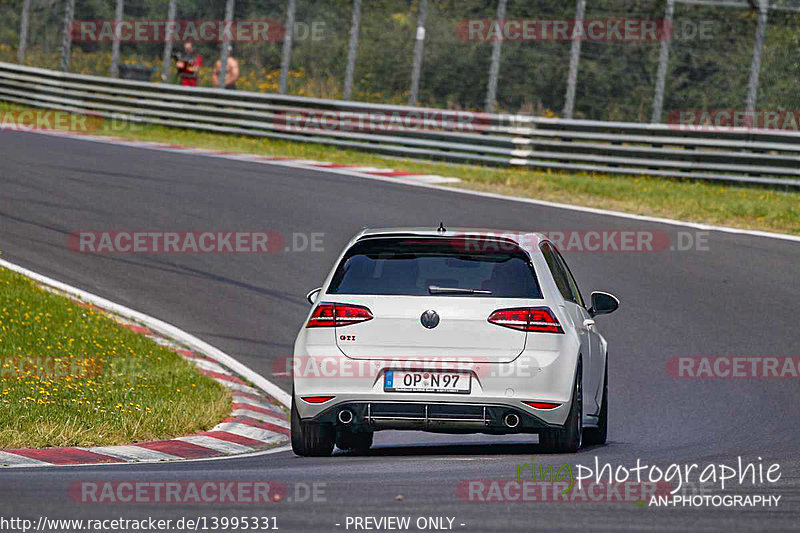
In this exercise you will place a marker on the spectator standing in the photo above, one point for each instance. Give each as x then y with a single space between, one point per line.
231 71
188 65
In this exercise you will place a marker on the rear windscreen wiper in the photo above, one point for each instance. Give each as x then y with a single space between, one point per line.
433 289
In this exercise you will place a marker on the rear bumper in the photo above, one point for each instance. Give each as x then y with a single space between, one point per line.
501 388
433 417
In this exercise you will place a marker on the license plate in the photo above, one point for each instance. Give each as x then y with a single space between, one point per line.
414 381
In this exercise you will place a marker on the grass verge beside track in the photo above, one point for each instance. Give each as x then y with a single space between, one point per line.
72 376
695 201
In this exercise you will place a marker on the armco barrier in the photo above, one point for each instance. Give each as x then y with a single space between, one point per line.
742 156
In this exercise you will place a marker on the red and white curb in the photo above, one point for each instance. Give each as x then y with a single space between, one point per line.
258 420
349 170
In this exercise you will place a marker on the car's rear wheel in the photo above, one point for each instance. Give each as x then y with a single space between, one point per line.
357 442
568 439
599 434
310 439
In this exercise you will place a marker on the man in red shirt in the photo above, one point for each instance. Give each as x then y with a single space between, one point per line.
188 65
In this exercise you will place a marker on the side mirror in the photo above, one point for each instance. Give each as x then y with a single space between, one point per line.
312 296
603 303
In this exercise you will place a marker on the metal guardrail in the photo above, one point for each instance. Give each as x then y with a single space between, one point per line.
753 157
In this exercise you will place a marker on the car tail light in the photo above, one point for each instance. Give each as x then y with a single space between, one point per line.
328 315
318 399
542 405
538 319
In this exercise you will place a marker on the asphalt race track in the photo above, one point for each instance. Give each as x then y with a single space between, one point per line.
738 297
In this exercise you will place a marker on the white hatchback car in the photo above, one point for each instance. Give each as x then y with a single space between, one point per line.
454 331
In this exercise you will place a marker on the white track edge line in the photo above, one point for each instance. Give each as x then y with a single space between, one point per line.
497 196
556 205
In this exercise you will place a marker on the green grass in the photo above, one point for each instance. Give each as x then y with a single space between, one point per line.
72 376
695 201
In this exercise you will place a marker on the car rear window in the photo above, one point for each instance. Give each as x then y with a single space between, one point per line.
410 266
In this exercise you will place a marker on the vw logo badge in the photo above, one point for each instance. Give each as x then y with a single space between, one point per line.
429 319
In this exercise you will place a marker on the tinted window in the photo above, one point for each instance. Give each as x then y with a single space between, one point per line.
573 285
409 266
558 270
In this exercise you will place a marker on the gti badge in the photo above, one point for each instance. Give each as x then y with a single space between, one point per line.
429 319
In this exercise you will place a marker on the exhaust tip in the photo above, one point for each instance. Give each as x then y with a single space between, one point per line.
345 416
511 420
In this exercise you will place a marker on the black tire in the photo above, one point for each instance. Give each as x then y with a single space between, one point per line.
598 435
310 439
569 438
357 442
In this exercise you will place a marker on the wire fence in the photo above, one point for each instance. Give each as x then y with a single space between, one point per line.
623 60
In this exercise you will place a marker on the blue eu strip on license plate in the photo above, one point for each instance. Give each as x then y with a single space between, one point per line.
427 381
